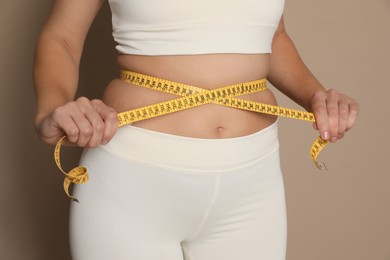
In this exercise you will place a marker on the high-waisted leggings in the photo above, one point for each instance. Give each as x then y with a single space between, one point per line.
156 196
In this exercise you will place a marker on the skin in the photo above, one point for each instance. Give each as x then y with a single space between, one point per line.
89 123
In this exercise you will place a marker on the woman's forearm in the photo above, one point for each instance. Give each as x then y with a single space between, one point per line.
55 75
335 112
58 53
289 74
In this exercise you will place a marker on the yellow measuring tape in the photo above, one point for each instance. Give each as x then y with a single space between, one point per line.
192 97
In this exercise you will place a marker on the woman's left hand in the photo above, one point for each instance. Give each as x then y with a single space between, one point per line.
335 114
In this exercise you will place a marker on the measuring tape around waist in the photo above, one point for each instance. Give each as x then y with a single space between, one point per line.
191 96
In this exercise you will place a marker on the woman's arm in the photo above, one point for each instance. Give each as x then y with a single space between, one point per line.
56 73
335 113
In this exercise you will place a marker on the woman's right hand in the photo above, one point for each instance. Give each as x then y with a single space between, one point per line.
86 123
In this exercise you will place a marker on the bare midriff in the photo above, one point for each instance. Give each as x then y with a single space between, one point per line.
205 71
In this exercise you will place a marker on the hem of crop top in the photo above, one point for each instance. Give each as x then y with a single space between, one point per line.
191 39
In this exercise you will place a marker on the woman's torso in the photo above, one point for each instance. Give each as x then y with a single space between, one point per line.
205 71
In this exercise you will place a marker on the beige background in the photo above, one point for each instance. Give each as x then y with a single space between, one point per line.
342 215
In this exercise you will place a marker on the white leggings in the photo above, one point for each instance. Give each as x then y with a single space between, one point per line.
155 196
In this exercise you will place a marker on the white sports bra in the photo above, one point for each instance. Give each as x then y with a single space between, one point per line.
174 27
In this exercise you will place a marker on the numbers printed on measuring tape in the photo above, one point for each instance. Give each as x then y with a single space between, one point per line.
191 96
77 175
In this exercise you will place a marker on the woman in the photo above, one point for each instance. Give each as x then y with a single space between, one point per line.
202 183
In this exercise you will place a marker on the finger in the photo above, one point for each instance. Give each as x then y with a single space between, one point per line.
333 114
353 114
95 122
78 114
321 114
315 126
111 122
97 128
343 118
110 119
62 121
85 129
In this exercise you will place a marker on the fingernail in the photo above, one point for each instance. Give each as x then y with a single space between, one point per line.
333 139
325 135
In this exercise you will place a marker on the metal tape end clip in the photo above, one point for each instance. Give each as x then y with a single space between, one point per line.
321 166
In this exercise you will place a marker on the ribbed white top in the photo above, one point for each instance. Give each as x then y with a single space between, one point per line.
174 27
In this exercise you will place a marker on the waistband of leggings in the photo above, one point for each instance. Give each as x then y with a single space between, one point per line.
196 153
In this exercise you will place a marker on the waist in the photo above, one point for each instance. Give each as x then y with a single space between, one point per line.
204 71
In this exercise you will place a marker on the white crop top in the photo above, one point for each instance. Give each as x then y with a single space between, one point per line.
174 27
